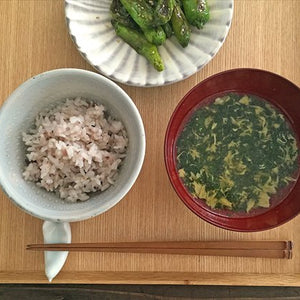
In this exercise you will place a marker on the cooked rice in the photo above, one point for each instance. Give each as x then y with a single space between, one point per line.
75 148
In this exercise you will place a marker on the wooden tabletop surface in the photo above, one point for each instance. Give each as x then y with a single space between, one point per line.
33 38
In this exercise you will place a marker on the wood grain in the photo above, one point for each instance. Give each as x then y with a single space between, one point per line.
33 38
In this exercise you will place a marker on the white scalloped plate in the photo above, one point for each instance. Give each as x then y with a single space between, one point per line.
89 25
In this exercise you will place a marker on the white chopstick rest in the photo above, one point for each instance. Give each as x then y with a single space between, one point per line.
55 233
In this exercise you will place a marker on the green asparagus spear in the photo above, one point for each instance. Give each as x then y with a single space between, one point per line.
120 15
196 12
180 25
138 42
142 14
167 29
163 11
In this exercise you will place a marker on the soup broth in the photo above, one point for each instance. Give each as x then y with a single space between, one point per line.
237 153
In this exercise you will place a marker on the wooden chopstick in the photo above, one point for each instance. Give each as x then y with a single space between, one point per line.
263 245
270 249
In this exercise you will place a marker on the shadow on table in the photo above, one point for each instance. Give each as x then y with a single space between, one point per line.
159 292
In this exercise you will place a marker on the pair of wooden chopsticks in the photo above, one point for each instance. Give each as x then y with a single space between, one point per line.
268 249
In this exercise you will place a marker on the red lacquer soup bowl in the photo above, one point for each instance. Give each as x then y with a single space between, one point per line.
273 88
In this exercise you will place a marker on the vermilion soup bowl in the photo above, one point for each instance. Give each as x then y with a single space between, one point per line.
273 88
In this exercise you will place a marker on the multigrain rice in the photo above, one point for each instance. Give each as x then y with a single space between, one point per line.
74 149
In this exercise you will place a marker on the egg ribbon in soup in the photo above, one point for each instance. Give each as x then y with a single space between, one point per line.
236 153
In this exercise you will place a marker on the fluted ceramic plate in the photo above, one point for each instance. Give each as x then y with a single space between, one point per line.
89 25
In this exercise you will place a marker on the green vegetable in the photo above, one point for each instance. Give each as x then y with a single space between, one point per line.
237 152
180 25
168 29
155 36
138 42
140 11
120 15
142 14
163 11
156 20
196 12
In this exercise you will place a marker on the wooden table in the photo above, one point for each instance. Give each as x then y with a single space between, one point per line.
33 38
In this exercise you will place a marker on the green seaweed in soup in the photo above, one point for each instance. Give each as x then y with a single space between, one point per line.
236 152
